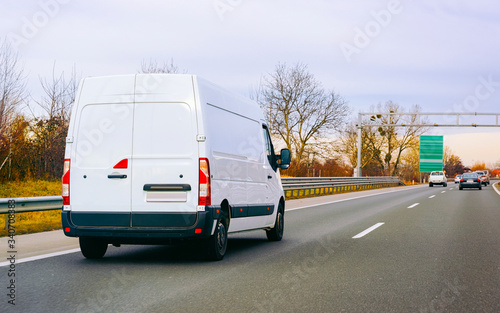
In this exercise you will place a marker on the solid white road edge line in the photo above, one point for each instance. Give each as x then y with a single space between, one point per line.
361 234
39 257
413 205
496 186
348 199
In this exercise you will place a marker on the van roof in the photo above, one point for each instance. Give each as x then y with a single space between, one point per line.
163 88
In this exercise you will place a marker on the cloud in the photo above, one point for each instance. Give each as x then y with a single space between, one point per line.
430 53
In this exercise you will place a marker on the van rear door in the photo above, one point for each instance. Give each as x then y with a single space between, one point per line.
164 165
100 165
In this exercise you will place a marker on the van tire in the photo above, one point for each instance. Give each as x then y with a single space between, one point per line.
216 244
276 233
92 248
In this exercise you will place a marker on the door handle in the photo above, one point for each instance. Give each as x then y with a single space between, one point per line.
167 187
269 177
112 176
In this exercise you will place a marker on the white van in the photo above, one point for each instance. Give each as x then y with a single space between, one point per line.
155 158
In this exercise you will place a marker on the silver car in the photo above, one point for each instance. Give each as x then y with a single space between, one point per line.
484 176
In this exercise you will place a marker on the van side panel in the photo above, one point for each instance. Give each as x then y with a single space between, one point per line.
236 149
237 157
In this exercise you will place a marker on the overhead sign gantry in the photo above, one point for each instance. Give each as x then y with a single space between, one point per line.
417 118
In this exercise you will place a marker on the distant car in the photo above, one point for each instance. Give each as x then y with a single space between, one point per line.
438 178
484 176
470 180
457 179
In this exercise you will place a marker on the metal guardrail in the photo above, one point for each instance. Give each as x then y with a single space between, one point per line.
327 185
290 184
30 204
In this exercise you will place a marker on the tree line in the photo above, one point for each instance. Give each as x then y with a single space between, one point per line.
311 121
32 131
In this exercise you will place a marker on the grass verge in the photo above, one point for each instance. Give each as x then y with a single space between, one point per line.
31 222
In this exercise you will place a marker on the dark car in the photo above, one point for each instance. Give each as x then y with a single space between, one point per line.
470 180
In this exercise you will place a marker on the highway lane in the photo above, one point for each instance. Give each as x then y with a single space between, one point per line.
435 252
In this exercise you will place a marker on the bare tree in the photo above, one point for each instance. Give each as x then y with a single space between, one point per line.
59 95
12 86
50 130
398 139
12 95
152 66
298 109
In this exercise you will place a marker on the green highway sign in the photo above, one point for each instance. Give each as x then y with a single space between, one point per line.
431 154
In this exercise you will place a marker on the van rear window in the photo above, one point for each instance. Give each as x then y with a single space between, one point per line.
104 135
164 129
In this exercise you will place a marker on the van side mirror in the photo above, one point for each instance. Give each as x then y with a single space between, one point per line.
285 158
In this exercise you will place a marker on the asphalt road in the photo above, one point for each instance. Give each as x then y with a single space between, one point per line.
438 250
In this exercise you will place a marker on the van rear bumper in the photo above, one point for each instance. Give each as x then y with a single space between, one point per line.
149 231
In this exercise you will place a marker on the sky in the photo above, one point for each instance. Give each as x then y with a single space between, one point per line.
442 55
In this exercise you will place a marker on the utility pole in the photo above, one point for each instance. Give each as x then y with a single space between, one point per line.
360 130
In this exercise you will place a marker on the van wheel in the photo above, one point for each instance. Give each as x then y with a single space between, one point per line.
445 185
276 233
217 243
430 185
92 248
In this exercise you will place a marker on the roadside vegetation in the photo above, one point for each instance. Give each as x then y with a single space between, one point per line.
31 222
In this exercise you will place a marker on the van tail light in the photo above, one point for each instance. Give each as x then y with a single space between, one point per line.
204 197
65 182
